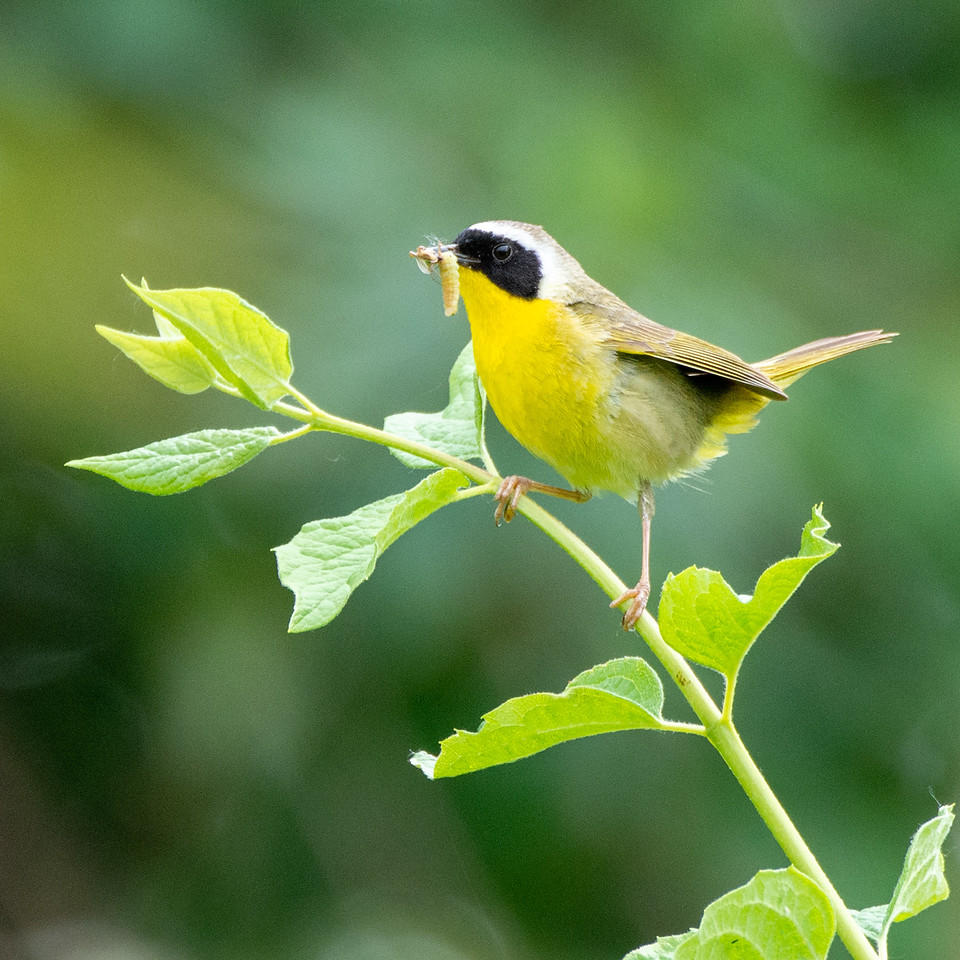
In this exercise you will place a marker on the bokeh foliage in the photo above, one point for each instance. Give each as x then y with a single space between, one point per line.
180 777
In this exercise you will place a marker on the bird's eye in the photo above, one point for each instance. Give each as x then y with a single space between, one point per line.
502 251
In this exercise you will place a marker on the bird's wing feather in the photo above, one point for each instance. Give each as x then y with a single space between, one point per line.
627 331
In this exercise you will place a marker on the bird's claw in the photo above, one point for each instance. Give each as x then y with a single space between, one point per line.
508 495
638 595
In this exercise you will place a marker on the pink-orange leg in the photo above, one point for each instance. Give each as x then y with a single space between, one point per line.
513 488
639 594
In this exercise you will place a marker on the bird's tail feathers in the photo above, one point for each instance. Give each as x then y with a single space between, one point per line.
784 368
739 409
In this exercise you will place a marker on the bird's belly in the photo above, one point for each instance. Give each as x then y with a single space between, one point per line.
661 416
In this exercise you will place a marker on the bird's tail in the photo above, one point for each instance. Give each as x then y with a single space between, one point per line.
738 411
784 368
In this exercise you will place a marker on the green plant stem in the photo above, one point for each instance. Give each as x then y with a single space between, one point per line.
728 694
321 420
719 730
292 435
717 725
736 756
680 671
314 418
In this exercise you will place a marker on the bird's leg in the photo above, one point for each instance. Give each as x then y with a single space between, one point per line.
641 592
513 488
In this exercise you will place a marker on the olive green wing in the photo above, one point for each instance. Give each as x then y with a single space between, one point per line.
627 331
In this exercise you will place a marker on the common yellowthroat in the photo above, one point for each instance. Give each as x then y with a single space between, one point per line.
610 399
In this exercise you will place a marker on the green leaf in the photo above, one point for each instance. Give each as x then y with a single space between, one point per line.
180 463
457 429
703 619
174 361
623 694
328 559
164 327
870 920
664 949
239 341
922 881
779 913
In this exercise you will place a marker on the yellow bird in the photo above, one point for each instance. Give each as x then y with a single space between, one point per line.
610 399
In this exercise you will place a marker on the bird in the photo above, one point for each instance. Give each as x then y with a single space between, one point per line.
610 399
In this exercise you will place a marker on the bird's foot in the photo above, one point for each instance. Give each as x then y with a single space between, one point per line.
638 595
508 495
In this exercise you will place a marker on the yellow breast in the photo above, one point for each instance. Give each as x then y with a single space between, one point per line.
548 380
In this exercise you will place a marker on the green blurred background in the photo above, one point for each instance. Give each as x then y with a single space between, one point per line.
179 778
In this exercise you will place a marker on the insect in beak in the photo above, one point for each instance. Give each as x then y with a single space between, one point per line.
443 257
